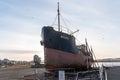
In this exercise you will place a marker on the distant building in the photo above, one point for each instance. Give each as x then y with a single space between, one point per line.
37 59
6 61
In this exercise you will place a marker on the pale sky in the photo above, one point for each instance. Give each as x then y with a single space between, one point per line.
21 22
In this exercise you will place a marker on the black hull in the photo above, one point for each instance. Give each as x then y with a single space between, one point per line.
61 51
58 40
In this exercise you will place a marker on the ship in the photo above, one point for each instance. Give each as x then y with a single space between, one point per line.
61 51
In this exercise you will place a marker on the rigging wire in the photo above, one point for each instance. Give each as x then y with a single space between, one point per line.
54 21
68 30
95 59
66 22
95 64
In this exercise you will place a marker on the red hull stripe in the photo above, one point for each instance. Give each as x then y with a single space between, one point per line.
60 59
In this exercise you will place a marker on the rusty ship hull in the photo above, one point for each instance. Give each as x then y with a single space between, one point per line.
61 51
55 59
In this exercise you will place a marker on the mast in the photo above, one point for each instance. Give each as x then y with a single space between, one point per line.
58 11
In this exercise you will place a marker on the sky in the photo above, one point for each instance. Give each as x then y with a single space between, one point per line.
21 22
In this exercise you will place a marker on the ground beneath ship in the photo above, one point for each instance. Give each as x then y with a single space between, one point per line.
21 74
113 73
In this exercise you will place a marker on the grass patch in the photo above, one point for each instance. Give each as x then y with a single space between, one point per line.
18 66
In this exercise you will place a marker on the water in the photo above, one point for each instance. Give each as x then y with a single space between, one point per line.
109 64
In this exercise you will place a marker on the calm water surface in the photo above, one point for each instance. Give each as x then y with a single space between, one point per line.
109 63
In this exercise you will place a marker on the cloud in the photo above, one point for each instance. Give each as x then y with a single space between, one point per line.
18 24
18 51
19 40
21 23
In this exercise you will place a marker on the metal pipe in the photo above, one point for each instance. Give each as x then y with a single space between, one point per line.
58 17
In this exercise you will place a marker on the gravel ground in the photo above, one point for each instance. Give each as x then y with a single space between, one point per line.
19 74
